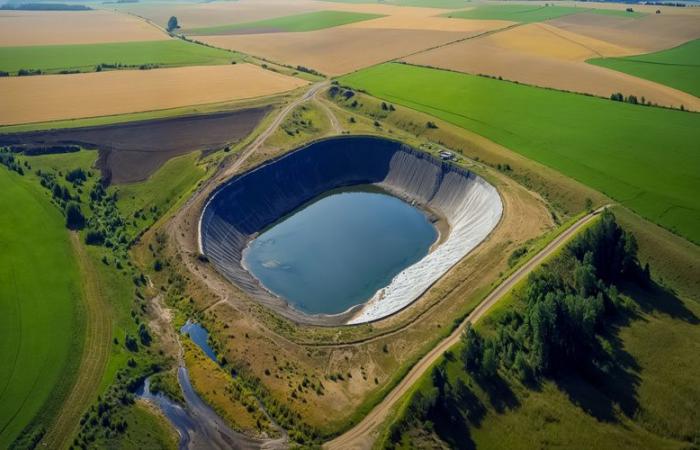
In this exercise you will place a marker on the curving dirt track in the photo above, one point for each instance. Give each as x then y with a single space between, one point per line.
95 352
362 435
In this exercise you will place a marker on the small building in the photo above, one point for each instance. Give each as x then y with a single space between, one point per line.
447 156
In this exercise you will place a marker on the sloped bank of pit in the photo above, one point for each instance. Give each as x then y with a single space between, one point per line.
244 206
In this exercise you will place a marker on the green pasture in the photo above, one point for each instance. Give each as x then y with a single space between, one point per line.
39 297
531 13
617 148
299 22
85 57
678 67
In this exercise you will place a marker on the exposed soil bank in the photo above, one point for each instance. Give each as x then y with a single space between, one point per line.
250 202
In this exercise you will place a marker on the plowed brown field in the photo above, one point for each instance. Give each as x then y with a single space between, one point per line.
56 97
18 28
335 51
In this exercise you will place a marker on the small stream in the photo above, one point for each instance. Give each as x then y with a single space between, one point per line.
198 425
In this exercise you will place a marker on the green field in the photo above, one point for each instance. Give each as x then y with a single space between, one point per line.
614 147
678 67
299 22
85 57
530 13
39 296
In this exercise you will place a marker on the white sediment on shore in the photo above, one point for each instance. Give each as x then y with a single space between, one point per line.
473 208
248 203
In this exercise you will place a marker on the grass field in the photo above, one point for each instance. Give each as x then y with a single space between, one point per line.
39 292
531 13
85 57
299 22
613 147
677 67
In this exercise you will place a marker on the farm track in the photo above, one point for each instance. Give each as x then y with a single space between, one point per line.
96 349
362 435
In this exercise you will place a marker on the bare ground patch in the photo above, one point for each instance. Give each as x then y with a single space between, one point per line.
132 152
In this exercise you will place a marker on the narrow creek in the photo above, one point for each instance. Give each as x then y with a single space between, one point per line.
197 424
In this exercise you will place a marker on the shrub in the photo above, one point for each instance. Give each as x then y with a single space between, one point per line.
74 216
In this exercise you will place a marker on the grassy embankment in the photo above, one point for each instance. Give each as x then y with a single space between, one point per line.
41 323
532 13
646 400
678 67
610 146
86 57
112 282
312 21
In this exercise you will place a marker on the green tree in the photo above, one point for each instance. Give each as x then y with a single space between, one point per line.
74 216
172 24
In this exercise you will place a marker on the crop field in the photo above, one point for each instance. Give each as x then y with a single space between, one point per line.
615 149
133 151
72 27
678 67
39 295
529 13
650 33
86 57
52 97
542 55
335 51
302 22
443 4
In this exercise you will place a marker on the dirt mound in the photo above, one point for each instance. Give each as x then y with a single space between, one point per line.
132 152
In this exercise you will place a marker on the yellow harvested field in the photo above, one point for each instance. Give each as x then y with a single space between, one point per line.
542 55
335 51
649 33
430 23
56 97
545 40
19 28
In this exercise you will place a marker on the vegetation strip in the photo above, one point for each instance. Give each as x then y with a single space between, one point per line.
531 13
616 152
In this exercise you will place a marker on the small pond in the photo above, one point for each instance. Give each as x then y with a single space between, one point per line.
339 250
199 336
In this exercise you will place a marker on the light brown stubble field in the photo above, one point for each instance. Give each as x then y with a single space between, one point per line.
56 97
542 55
19 28
335 51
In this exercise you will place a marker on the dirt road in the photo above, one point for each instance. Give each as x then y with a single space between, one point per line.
363 435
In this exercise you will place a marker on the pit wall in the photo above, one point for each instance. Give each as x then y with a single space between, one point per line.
247 204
